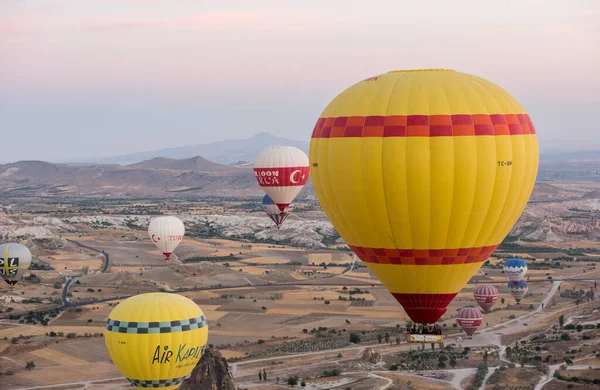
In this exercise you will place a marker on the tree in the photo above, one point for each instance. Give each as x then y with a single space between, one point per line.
354 338
303 384
452 363
432 346
292 381
305 331
502 300
561 320
264 374
379 337
387 338
260 375
30 365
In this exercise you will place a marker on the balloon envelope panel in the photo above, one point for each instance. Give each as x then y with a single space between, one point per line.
423 174
156 339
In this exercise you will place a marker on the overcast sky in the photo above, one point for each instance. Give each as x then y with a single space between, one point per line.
85 78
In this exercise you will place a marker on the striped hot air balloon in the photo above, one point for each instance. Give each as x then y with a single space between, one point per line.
518 289
423 173
469 319
273 211
282 172
485 296
515 269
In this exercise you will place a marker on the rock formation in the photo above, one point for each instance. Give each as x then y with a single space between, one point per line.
211 373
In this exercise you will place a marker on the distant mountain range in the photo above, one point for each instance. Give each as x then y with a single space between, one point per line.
225 169
155 177
226 152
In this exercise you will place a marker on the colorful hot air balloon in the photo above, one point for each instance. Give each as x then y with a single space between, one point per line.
469 319
485 296
282 172
15 259
518 289
166 233
156 339
515 269
423 173
273 211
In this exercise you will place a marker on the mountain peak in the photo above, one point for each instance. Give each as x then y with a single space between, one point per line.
226 152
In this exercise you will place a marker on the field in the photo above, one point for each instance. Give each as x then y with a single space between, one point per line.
298 307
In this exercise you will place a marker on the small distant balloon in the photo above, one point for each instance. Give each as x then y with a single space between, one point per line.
156 339
166 232
469 319
273 211
515 268
485 296
15 260
518 289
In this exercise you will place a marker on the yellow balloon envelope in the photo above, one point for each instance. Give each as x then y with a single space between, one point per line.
156 339
423 173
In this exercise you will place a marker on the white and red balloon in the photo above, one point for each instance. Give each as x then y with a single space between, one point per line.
166 233
282 172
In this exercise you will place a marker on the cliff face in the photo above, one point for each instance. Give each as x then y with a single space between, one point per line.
211 373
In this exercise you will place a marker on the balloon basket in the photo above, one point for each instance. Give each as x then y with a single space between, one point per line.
424 338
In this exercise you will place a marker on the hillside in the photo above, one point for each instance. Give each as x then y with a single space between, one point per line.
155 177
226 152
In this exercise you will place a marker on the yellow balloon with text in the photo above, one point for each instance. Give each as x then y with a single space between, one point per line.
156 339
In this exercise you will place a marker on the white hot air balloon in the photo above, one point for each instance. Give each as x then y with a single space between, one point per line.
166 233
282 172
15 259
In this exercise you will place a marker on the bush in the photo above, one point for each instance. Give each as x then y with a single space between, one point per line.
394 367
564 336
56 285
354 338
260 341
30 365
292 381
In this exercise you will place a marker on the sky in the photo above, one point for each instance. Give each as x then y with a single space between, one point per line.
83 79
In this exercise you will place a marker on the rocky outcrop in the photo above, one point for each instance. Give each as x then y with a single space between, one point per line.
211 373
371 356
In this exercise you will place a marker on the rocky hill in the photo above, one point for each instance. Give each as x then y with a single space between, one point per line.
223 152
211 373
156 177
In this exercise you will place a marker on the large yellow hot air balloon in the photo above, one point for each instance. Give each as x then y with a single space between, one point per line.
423 173
156 339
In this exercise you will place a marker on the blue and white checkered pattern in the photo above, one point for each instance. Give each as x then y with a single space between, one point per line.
155 327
